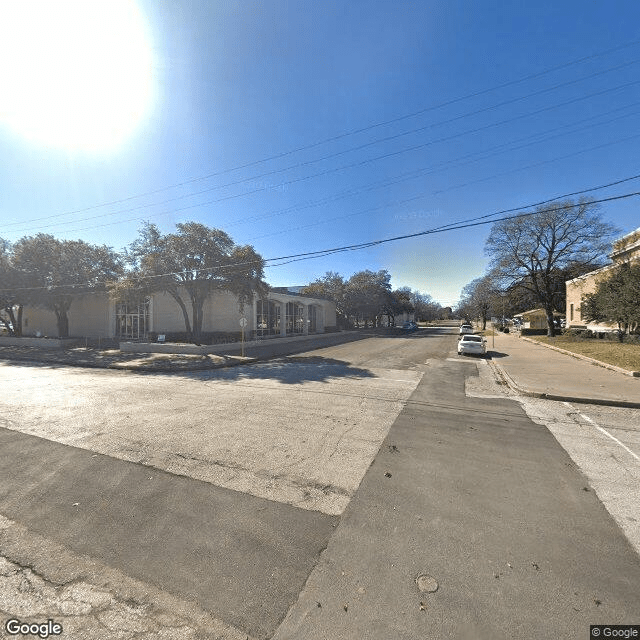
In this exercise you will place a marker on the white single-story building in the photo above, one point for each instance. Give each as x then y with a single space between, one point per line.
95 315
535 318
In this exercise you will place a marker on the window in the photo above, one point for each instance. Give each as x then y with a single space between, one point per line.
571 311
133 320
295 318
267 318
312 318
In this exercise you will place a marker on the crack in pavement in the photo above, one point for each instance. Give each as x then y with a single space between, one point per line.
91 600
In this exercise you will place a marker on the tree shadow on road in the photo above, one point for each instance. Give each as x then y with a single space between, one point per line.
293 370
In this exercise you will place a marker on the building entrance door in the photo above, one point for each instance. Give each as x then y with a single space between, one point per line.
133 320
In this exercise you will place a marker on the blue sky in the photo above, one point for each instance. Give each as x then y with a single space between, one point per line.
246 107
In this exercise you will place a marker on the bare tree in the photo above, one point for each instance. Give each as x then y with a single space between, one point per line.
481 298
532 248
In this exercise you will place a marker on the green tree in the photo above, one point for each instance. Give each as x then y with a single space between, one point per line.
12 293
531 249
366 294
616 299
398 302
55 272
331 286
196 260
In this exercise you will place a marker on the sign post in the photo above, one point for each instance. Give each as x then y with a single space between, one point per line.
243 324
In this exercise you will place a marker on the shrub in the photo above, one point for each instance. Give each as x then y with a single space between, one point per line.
576 334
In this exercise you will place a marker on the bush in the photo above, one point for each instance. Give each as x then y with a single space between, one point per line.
534 332
576 334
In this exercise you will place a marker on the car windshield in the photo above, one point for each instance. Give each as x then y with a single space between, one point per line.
472 339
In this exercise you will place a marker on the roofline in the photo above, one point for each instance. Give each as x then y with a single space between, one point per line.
591 273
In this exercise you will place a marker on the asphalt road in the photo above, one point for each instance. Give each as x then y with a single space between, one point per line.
331 478
220 486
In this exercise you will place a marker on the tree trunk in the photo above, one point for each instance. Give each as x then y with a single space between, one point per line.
62 320
196 306
551 327
17 327
16 321
185 313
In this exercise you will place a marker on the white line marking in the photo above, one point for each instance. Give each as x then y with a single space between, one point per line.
606 433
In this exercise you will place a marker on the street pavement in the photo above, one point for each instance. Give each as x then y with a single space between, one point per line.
470 521
474 524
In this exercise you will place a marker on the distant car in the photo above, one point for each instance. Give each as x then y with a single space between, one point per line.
472 344
466 328
408 327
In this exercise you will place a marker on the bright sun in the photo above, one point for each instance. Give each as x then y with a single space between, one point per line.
74 74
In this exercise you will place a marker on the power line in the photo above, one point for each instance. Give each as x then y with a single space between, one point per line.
325 172
377 125
423 195
365 245
471 222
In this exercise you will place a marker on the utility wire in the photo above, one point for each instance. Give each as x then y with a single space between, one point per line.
464 224
543 162
380 124
458 186
461 225
325 172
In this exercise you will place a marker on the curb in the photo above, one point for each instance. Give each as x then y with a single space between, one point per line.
132 368
512 384
579 356
115 366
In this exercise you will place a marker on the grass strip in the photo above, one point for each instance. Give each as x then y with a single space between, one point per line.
626 356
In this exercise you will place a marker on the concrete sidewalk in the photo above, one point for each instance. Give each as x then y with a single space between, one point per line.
535 370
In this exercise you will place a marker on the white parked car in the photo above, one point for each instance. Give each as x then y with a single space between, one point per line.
466 328
472 344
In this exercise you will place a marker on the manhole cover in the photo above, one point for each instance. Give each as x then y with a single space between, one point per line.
426 583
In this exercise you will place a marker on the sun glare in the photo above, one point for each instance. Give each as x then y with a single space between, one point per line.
74 74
